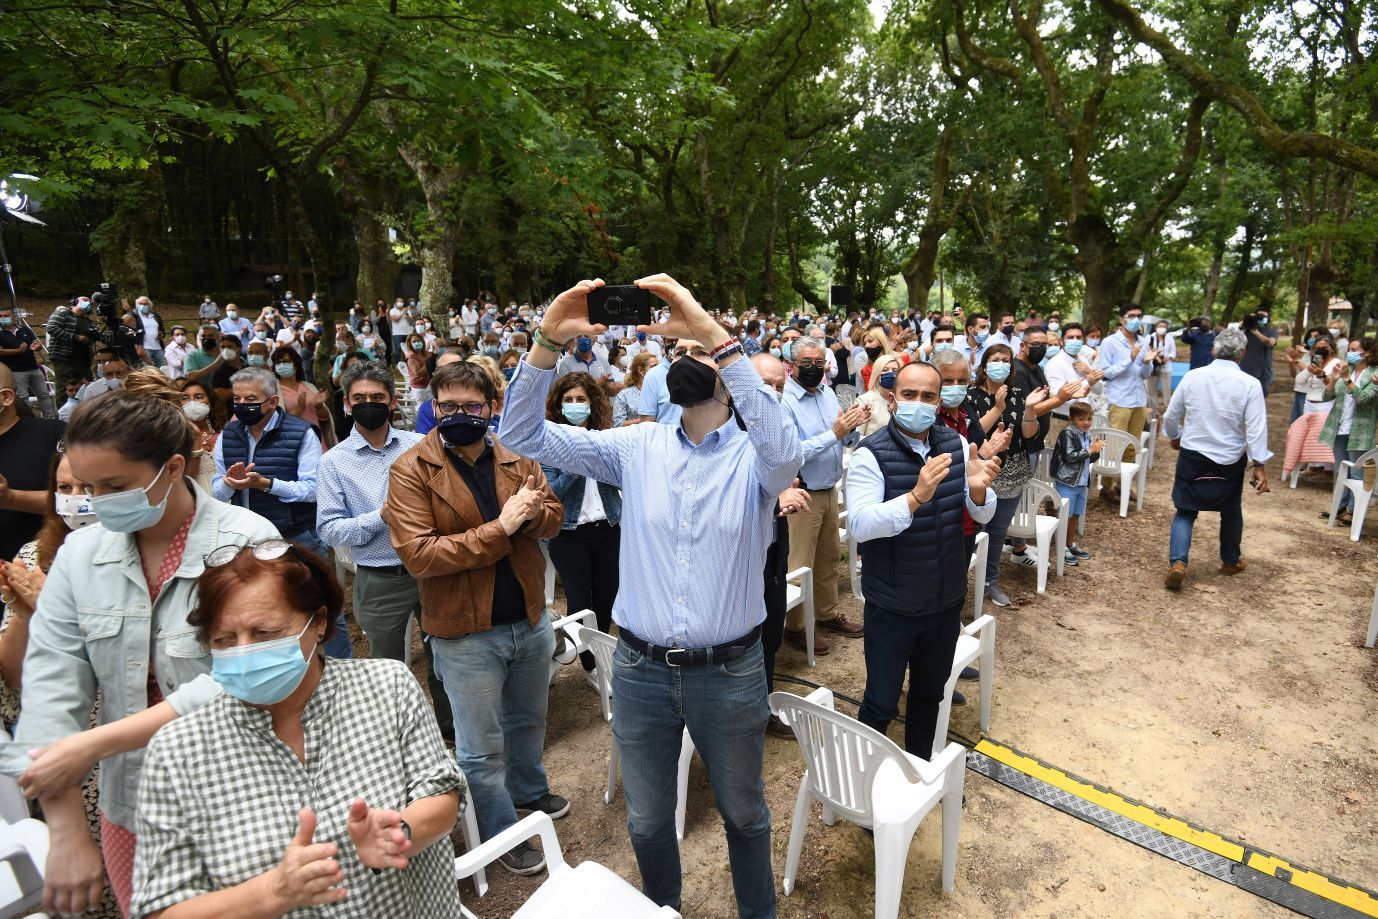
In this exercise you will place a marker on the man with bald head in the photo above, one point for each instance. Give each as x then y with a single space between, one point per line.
907 486
27 447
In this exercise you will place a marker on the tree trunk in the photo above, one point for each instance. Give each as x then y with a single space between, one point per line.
768 279
121 240
439 237
1213 277
1241 275
1103 264
796 276
920 268
376 277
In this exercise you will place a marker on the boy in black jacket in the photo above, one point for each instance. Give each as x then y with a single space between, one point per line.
1071 468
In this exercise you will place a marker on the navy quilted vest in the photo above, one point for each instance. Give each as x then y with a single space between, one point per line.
275 456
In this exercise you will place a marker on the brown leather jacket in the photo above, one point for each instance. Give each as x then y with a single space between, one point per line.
443 540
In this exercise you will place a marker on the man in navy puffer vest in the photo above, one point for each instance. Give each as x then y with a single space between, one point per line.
906 489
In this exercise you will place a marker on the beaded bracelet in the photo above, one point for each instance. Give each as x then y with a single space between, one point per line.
546 343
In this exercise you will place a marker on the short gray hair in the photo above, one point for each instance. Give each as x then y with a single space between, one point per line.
264 378
941 359
807 341
372 371
1230 344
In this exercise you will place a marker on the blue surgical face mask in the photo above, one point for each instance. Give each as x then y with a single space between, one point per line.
1354 357
941 346
887 379
982 335
6 321
263 673
285 370
1074 346
915 417
787 350
576 412
1053 351
999 371
954 395
775 352
129 511
1093 342
582 345
1133 324
256 360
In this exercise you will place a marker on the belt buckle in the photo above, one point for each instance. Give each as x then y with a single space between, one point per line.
669 651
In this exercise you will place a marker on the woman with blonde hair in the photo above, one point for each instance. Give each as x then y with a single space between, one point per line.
883 371
490 367
626 406
876 343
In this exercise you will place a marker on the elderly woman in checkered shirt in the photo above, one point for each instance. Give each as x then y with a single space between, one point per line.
311 782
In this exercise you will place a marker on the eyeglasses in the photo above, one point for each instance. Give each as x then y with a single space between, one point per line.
265 551
445 409
811 363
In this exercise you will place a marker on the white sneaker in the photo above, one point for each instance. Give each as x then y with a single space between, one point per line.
1028 558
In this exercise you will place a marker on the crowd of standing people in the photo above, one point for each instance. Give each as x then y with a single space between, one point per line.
173 512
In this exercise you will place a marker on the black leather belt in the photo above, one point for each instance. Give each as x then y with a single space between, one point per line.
394 570
693 657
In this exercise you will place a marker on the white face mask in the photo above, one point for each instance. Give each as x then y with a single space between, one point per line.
75 510
196 411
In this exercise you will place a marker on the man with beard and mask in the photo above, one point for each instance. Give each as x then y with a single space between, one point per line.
824 430
1029 377
697 519
266 460
467 516
906 489
351 485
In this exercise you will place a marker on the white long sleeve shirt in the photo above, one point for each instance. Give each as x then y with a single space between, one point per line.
1218 411
870 516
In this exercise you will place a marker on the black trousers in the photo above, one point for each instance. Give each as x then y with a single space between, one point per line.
587 559
922 645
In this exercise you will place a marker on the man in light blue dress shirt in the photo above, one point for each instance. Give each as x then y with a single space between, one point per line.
824 430
697 517
1127 363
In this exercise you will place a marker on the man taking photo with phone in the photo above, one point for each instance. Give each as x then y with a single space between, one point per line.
698 516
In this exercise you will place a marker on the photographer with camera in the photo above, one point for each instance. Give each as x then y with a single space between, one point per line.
1200 334
1258 355
70 336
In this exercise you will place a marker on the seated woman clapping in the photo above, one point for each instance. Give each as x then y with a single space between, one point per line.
310 781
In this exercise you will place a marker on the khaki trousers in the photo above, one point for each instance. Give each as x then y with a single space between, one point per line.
813 543
1131 421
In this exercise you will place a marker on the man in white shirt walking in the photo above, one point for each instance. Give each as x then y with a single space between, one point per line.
1218 420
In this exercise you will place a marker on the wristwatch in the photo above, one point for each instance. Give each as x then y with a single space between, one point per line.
406 829
268 486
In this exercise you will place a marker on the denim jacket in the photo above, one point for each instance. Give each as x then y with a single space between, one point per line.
94 630
1070 457
569 488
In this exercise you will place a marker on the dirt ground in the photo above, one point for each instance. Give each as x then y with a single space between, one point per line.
1245 705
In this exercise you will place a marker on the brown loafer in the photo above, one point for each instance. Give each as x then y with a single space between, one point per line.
1175 576
842 626
1233 569
779 728
796 639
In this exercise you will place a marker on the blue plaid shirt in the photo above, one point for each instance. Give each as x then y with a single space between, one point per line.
351 486
696 520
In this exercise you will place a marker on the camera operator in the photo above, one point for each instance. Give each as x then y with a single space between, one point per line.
19 351
1258 355
70 335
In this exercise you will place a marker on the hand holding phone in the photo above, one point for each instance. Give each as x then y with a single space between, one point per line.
621 304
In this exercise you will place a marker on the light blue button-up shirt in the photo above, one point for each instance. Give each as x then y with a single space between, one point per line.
870 516
696 520
655 396
813 414
1125 375
351 486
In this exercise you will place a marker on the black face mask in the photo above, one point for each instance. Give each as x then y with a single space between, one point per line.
1036 353
248 413
872 353
690 382
809 377
371 415
1008 330
209 344
462 429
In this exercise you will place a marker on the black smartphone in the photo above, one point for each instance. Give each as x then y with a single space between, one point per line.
624 304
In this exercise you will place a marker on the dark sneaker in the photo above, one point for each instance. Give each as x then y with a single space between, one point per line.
1069 558
779 728
970 673
553 806
958 698
524 859
1079 552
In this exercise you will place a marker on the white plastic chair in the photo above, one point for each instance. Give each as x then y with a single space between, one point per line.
1148 446
344 562
1043 470
472 840
856 772
589 891
976 643
799 591
568 643
14 808
977 565
549 574
853 555
1362 494
602 647
1046 532
23 861
1111 465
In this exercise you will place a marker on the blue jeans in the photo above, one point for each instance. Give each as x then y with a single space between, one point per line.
338 645
1231 532
725 708
995 530
155 357
498 683
1342 453
1076 499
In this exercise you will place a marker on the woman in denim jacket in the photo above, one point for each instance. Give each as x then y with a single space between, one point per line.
586 551
112 617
